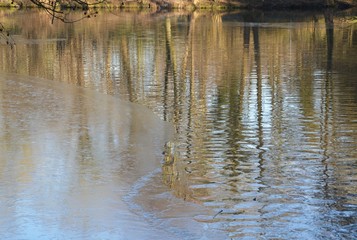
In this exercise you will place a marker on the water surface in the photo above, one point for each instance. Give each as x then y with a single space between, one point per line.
68 156
264 107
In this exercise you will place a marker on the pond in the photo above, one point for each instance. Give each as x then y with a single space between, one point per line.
259 108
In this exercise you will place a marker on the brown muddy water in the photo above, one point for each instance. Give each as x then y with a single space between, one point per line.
260 110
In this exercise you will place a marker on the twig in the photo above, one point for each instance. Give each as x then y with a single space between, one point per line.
220 211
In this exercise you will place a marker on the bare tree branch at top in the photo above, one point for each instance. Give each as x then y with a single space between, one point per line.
58 9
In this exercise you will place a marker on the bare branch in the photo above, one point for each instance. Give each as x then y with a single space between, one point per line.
56 8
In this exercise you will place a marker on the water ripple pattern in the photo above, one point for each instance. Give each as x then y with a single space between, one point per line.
264 105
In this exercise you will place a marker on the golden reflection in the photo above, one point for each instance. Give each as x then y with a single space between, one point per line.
254 97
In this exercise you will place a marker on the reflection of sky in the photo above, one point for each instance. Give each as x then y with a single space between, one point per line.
293 147
77 156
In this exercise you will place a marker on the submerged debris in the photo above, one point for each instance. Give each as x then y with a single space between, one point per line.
220 211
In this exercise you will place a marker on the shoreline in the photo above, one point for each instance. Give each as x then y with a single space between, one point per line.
159 5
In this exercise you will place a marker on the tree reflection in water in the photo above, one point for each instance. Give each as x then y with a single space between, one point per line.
264 107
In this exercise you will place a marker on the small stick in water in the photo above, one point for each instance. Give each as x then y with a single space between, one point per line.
220 211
